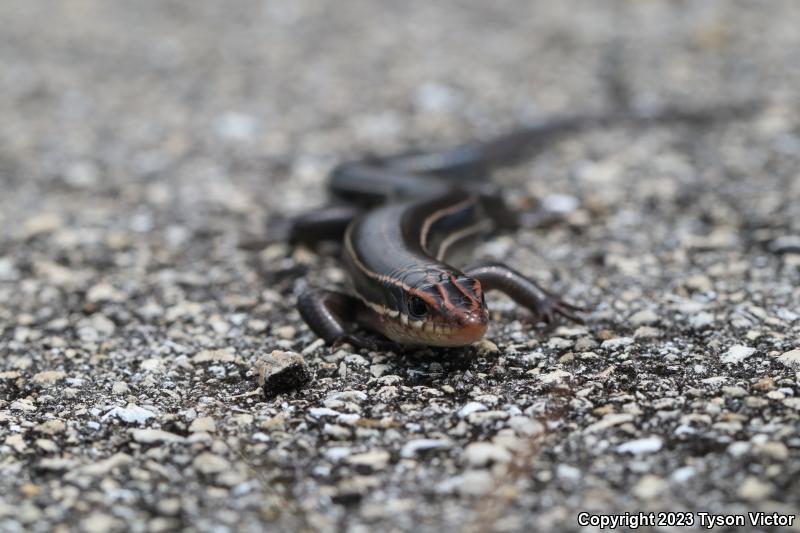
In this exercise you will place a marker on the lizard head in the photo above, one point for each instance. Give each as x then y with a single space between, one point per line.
450 312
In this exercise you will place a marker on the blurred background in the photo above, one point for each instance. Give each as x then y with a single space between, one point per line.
170 109
141 142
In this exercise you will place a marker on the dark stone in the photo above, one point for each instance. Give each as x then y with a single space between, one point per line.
281 372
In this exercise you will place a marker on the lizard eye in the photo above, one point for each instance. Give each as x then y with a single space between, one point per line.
417 307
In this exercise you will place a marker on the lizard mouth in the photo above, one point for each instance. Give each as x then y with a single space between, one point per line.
463 331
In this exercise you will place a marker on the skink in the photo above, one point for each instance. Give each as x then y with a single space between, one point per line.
409 214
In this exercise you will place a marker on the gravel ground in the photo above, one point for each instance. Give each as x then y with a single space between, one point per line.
141 143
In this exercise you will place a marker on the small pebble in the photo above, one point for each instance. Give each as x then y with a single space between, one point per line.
151 436
119 388
787 244
641 446
471 483
650 487
754 489
791 358
471 407
51 427
737 354
646 317
413 447
485 347
132 414
286 332
373 459
281 372
481 454
701 320
616 343
203 423
49 377
209 463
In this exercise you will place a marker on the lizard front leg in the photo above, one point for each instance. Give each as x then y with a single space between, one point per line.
543 304
329 313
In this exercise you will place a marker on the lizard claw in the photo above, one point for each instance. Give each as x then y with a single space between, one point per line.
363 343
554 305
355 341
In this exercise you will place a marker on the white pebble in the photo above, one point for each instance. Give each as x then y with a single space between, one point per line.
412 447
480 454
471 407
791 358
737 354
132 414
641 446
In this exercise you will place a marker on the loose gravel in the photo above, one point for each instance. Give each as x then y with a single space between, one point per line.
141 145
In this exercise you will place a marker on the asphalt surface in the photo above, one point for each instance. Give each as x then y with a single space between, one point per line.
142 143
